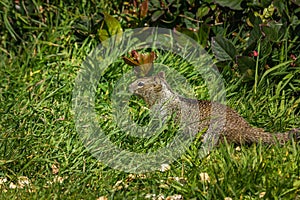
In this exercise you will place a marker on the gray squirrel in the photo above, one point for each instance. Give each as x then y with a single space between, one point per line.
155 91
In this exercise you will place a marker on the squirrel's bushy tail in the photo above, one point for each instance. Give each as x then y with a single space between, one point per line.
273 138
254 135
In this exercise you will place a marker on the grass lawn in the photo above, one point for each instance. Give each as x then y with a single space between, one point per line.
43 157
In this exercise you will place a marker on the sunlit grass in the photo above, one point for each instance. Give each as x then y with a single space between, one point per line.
42 156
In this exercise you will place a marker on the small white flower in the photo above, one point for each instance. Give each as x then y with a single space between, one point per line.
3 180
175 197
12 185
58 179
102 198
22 181
165 167
204 177
149 196
262 194
238 148
160 197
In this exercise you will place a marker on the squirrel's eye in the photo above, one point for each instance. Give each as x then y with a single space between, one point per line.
140 84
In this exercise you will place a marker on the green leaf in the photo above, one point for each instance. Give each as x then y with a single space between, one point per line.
203 34
223 49
245 62
187 21
156 15
202 11
113 25
270 33
103 35
296 184
110 26
246 66
233 4
255 33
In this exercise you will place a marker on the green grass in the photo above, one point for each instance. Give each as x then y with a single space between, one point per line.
38 139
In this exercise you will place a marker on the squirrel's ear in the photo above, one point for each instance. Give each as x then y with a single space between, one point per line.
161 74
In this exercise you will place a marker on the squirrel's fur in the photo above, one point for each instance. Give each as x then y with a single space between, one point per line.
157 93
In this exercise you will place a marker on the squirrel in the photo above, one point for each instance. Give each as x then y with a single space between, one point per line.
156 92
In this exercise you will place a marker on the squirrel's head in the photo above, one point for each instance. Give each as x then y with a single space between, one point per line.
149 88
